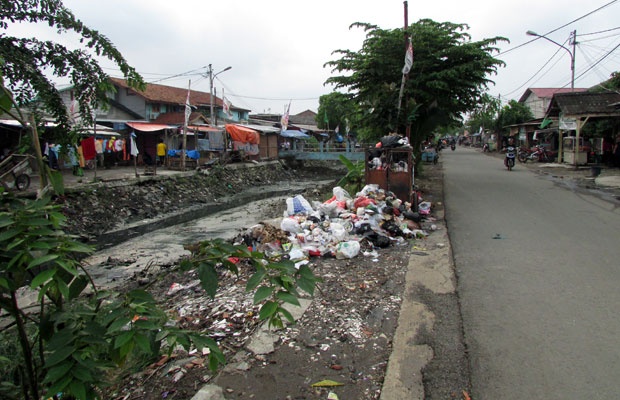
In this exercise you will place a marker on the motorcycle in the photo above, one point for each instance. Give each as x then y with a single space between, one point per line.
540 154
523 154
453 146
485 148
509 160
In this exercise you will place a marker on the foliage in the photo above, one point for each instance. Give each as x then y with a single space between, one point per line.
448 76
613 83
484 115
355 177
78 333
511 114
337 109
27 63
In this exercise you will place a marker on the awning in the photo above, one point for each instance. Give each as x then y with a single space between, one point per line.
148 127
242 134
204 128
294 134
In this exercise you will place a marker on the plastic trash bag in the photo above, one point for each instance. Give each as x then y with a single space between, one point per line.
348 249
290 225
424 208
298 205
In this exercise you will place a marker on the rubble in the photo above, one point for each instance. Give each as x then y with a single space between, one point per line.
358 245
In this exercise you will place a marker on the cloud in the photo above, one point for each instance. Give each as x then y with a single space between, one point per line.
277 48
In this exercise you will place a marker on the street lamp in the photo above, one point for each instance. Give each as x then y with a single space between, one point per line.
571 53
572 88
211 77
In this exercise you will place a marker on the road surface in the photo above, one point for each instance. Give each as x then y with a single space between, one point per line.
538 276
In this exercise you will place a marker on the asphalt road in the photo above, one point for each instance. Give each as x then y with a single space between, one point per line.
538 277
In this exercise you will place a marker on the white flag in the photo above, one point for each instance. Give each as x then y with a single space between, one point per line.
408 58
188 108
284 120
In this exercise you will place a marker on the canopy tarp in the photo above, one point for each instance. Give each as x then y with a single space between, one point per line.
294 134
148 127
240 133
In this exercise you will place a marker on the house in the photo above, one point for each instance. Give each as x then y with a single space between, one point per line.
538 99
161 99
158 112
573 111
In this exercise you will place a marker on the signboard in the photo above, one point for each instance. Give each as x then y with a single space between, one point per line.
568 124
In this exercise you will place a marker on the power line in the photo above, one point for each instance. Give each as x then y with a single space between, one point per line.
554 30
563 26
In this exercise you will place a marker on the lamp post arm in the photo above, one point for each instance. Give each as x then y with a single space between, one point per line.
570 53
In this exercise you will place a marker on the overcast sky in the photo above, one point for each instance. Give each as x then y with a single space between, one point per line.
277 48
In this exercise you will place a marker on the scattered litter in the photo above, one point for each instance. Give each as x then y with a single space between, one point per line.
327 383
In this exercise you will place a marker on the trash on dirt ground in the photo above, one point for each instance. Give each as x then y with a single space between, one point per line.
327 383
332 396
341 227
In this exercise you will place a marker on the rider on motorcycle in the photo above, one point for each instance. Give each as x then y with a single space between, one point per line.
510 149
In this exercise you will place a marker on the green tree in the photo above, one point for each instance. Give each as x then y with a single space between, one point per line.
512 113
449 74
484 115
29 63
336 109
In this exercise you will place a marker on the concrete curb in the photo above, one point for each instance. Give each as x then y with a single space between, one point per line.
435 272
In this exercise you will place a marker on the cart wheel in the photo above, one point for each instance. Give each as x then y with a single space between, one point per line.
22 182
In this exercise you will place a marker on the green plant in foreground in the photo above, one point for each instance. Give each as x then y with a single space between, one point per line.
77 334
354 180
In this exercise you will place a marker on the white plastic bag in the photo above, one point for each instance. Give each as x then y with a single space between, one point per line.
290 225
348 249
338 232
341 194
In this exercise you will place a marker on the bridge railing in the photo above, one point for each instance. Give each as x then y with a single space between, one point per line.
324 151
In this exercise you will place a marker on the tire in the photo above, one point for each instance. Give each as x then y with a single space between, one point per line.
22 182
522 157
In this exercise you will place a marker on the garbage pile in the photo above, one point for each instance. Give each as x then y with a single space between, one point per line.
341 227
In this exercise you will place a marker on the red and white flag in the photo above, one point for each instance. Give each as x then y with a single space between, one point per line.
227 105
408 58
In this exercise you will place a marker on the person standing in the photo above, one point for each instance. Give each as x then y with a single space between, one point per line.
161 152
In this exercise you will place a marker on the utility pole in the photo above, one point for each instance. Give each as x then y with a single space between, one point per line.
212 76
211 94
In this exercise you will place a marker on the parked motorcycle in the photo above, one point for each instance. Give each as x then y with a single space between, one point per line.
523 154
540 154
485 148
453 146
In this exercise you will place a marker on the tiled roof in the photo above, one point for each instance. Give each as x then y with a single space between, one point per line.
547 93
168 94
585 104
